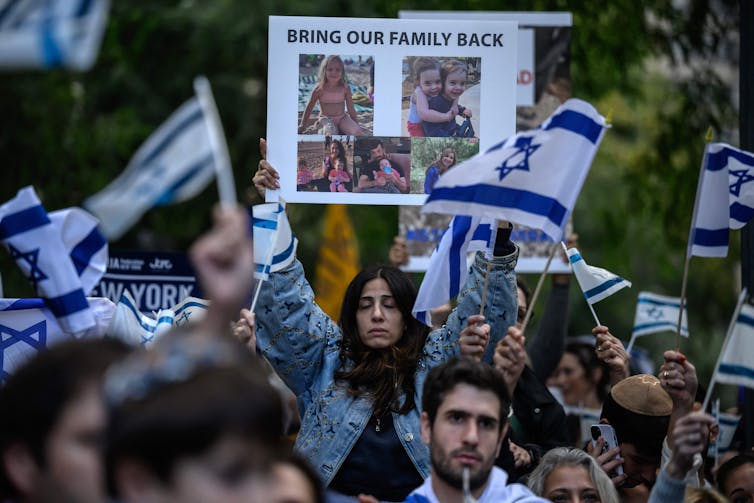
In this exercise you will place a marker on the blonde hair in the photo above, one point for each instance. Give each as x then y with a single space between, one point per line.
568 456
451 66
703 495
322 74
443 152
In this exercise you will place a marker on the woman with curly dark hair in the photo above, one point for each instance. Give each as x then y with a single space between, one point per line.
359 381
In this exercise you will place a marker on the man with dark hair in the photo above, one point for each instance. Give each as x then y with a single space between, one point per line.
52 422
639 409
465 406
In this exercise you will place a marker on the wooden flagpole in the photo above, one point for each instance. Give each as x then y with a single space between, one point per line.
684 281
530 307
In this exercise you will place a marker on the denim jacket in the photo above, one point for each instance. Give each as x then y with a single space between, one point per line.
303 345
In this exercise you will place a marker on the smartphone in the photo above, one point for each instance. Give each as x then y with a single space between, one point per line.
608 434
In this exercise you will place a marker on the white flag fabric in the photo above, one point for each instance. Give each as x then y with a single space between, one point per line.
533 178
274 242
737 361
448 266
595 282
51 33
139 329
39 243
28 326
725 199
172 166
658 313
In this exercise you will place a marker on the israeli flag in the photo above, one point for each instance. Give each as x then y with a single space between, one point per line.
728 424
39 243
28 326
533 178
139 329
172 166
51 33
736 364
658 313
448 264
595 282
724 199
274 242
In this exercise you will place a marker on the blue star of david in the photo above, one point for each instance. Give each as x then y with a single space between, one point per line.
30 257
742 176
183 319
146 339
523 147
10 336
654 313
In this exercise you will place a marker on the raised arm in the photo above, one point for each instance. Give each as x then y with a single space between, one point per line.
292 332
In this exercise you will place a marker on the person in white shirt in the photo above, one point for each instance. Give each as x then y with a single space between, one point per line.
465 405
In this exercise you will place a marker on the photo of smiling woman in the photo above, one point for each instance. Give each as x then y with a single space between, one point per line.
441 97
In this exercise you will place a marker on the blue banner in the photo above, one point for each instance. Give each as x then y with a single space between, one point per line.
156 280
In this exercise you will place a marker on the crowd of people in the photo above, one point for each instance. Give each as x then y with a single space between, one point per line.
385 409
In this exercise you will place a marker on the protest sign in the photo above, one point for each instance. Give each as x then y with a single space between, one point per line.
340 101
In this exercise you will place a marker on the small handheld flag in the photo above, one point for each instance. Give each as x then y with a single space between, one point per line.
596 283
724 201
51 33
448 265
657 313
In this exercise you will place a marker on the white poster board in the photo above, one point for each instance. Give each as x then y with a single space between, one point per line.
298 47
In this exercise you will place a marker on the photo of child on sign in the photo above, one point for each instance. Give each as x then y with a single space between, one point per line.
441 96
334 95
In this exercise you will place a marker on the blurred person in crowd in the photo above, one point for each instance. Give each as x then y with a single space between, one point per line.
52 424
295 481
566 474
735 478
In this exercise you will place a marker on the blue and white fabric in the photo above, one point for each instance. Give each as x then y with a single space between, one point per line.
274 242
737 360
39 243
724 200
533 178
658 313
595 282
28 326
51 33
173 165
448 264
140 329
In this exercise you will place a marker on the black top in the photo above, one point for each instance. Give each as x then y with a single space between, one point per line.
378 465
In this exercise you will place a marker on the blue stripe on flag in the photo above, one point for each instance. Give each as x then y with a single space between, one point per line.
265 224
741 212
51 53
504 197
31 303
717 160
644 300
711 237
746 320
461 226
736 370
15 4
262 268
188 305
657 324
22 221
283 255
601 288
168 196
178 130
483 232
68 304
576 123
575 258
82 253
137 314
726 421
84 7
